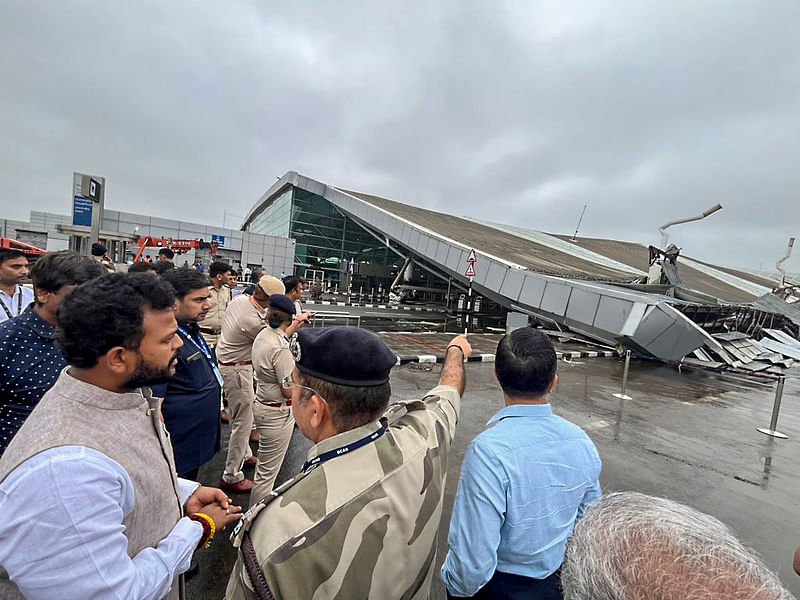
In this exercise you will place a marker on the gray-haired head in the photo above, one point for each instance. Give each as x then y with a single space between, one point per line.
630 546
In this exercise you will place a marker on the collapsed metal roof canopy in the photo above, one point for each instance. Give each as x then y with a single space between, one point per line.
526 273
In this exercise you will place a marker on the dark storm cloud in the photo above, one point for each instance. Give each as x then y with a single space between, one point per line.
517 112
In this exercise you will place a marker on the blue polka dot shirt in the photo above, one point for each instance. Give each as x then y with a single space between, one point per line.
30 363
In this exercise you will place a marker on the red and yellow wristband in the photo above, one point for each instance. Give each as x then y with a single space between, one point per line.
209 528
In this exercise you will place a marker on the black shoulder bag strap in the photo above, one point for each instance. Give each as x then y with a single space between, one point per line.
254 572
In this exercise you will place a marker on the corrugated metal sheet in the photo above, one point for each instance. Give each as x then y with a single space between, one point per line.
561 245
524 252
785 349
771 303
637 256
728 278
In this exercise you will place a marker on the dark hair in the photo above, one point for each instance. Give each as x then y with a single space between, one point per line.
163 267
107 312
166 252
57 269
525 363
277 317
185 281
350 406
10 254
142 267
218 268
292 281
256 274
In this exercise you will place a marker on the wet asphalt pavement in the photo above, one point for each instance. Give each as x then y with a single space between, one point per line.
686 435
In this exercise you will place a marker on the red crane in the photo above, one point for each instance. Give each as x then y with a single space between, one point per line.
178 246
30 251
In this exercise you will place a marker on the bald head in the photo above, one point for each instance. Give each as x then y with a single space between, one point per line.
630 546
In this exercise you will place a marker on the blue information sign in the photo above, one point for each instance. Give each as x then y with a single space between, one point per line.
82 211
220 239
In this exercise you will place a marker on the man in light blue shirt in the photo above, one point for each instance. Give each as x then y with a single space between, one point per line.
524 482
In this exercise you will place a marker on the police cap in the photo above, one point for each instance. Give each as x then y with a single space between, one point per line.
344 355
281 302
271 285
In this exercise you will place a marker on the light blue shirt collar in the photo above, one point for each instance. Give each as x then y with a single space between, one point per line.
522 410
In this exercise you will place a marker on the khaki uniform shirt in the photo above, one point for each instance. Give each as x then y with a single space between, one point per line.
240 326
272 361
220 298
363 524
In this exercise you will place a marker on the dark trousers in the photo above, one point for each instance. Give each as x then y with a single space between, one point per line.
506 586
192 475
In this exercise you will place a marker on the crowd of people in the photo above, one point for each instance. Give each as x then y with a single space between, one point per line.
111 391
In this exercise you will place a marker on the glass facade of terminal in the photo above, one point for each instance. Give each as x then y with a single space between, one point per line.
274 220
327 241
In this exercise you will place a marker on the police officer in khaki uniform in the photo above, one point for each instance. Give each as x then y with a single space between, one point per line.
361 520
211 326
272 362
244 319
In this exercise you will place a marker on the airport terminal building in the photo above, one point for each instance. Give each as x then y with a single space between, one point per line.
120 231
362 244
595 287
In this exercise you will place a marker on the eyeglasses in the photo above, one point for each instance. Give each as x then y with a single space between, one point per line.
287 384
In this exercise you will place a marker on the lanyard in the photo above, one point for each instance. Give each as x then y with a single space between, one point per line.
326 456
258 307
19 304
200 344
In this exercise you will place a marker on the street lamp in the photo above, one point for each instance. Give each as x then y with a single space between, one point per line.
665 235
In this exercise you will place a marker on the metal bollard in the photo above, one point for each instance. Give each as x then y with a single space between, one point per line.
776 408
622 395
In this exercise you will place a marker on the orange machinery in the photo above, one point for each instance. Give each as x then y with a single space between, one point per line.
30 251
178 246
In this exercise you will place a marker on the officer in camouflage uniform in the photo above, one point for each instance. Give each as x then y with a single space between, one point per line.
361 519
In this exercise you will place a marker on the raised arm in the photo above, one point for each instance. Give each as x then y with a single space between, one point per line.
458 351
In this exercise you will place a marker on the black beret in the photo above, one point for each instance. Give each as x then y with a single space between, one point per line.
98 249
281 302
344 355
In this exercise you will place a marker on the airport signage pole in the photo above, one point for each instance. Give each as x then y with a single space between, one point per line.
622 395
776 409
470 272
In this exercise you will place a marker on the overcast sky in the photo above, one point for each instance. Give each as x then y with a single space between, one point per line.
511 112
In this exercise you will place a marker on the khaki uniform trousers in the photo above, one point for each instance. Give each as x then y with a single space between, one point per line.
275 426
239 393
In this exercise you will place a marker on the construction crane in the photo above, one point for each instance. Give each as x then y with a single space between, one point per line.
178 246
27 249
